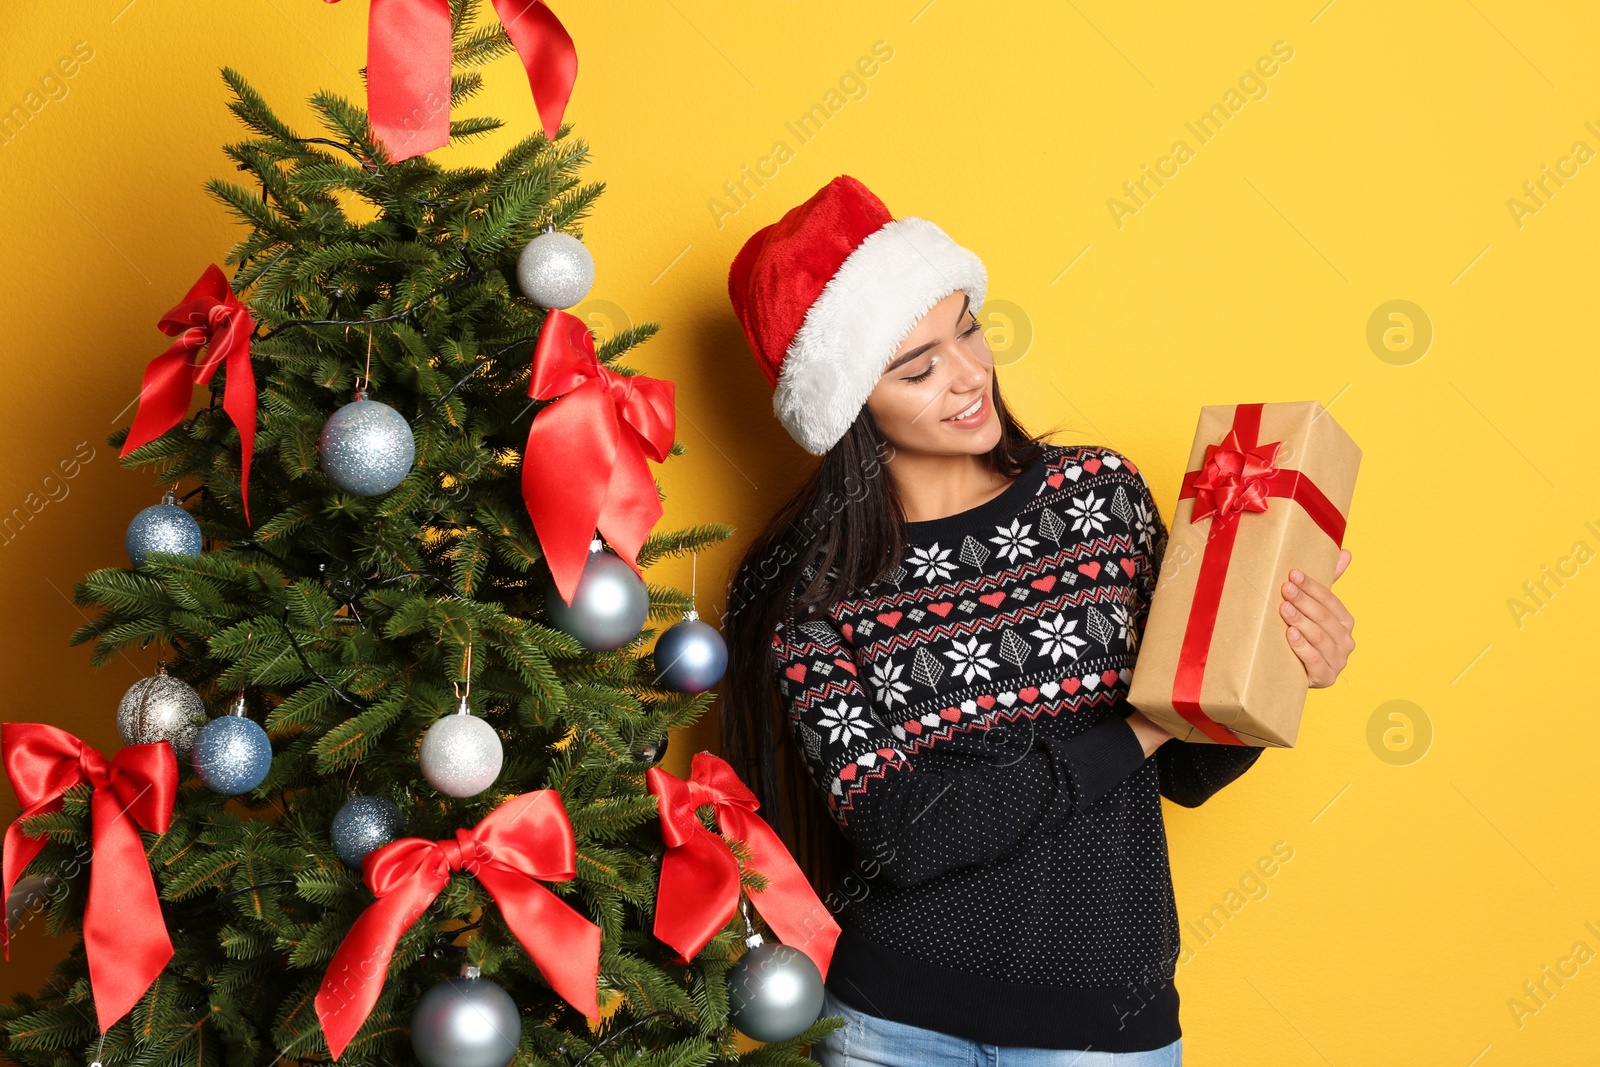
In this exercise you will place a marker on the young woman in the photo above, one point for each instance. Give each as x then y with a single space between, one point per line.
930 651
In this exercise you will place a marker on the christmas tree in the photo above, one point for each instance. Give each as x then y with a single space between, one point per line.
310 579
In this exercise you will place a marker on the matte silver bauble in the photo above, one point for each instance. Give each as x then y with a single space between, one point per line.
465 1022
774 992
609 604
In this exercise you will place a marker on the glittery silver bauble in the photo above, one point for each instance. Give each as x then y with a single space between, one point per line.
774 992
163 527
461 754
465 1022
691 655
609 605
362 825
161 708
367 447
555 270
232 753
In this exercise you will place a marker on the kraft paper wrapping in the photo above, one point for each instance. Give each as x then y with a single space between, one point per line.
1254 685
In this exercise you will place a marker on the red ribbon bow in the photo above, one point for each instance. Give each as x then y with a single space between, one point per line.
124 934
584 467
209 317
1237 476
528 837
1233 478
699 889
408 68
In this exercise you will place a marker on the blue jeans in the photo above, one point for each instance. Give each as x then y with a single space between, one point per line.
868 1041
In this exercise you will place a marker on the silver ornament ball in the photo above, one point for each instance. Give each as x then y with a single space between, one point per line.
161 708
691 656
366 447
654 751
461 755
609 604
465 1022
774 992
231 755
163 527
364 824
30 892
555 270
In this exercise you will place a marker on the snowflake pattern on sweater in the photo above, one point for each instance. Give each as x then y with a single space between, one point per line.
964 719
1058 623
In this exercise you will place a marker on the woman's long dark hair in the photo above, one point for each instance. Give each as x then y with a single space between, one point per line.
848 524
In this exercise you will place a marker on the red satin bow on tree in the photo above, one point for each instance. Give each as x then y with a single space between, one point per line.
699 889
1237 476
528 837
209 317
408 68
124 934
584 467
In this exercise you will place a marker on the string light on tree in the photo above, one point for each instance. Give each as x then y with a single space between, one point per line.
461 754
163 527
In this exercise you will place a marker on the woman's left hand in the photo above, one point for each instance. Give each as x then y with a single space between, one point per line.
1319 626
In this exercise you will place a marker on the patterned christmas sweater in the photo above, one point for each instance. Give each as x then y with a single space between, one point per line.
965 719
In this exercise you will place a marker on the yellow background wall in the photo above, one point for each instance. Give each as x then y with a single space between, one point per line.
1427 881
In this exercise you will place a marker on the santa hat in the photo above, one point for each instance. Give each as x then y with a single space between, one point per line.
827 293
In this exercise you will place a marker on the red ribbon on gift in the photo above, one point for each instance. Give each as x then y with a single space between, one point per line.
584 467
1236 476
408 68
124 934
528 837
210 317
699 890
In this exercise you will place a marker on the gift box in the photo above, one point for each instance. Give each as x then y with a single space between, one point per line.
1268 487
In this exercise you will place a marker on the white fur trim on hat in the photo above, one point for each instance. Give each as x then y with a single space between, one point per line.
851 332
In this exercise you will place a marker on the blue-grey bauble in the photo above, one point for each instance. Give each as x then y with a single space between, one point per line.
161 708
465 1022
609 604
691 656
231 755
555 270
774 992
461 755
367 447
362 825
162 528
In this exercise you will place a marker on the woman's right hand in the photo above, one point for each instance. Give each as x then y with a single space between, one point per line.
1149 734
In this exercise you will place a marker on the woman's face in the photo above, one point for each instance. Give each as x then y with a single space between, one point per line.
942 369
